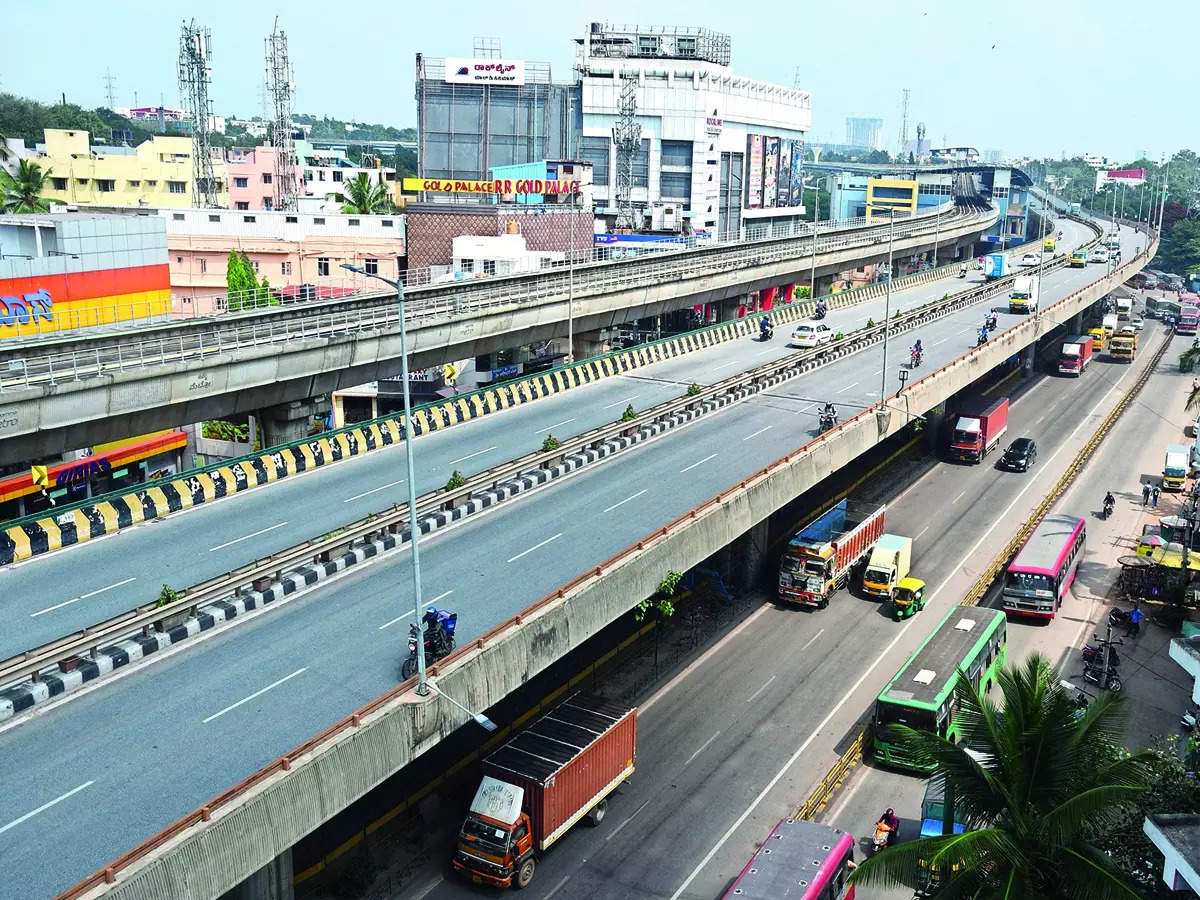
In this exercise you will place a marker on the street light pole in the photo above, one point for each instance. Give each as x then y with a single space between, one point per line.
571 289
887 305
413 531
812 281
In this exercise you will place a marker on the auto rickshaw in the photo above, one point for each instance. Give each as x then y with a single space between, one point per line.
909 597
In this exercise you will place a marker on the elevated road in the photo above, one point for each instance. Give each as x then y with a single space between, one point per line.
264 687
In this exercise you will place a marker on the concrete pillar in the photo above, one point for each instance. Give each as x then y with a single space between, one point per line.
787 293
290 421
272 882
932 428
589 344
1075 325
749 559
1028 360
767 297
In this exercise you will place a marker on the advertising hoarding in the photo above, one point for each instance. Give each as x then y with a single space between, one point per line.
1133 175
754 183
493 186
770 170
484 71
783 178
796 195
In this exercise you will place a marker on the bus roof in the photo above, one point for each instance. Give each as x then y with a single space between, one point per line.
933 669
1050 542
795 862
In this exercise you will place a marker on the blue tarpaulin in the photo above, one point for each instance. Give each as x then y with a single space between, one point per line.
825 526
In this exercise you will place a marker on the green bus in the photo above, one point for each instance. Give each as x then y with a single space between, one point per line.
921 695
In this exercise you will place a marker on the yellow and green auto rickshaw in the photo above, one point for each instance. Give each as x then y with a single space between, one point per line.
909 597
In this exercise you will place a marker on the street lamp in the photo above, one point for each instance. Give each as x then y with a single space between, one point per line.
413 531
480 719
887 304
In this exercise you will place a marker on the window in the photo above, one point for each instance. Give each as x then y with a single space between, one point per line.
291 220
352 222
82 180
641 165
676 185
203 265
322 265
320 175
178 217
267 201
249 219
595 151
319 220
266 177
371 266
152 183
179 260
241 182
242 204
489 267
214 217
254 264
677 153
337 175
135 184
285 268
308 174
60 184
467 265
386 223
177 187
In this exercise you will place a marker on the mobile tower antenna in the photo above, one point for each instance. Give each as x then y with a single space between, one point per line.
627 138
903 119
195 76
281 85
109 89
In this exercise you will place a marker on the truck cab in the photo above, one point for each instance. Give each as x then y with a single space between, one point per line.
1099 337
888 565
1078 259
495 842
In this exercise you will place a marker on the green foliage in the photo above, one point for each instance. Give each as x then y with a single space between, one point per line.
361 195
220 430
693 389
802 293
457 480
946 296
22 192
839 336
670 583
629 415
550 443
167 595
21 117
870 322
897 315
660 602
243 287
1187 362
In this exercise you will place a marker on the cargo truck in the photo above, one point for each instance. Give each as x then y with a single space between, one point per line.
819 559
534 788
1078 259
1076 354
995 265
1124 308
1123 345
1099 336
1176 467
978 429
1023 298
1109 324
889 563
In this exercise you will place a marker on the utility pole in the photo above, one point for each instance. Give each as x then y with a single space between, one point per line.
110 89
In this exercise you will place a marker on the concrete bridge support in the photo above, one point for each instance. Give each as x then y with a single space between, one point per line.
272 882
290 421
1028 360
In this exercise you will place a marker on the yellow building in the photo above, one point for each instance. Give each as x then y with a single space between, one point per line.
883 194
156 173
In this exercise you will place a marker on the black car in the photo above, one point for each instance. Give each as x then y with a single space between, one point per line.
1020 455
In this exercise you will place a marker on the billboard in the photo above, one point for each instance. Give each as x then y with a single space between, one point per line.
755 181
493 186
770 170
796 196
484 71
783 179
1134 175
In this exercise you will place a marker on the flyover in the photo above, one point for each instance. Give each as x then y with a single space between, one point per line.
245 828
79 390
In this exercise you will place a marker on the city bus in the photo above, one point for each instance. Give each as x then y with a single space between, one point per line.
799 860
1042 572
1189 315
972 639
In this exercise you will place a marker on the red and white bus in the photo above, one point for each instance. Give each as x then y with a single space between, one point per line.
1043 571
799 860
1189 313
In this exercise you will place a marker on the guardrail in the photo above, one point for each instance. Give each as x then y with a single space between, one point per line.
284 764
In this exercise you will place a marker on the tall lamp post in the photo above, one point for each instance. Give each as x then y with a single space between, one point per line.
887 306
413 530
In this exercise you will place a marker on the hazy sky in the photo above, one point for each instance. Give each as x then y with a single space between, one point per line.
1021 76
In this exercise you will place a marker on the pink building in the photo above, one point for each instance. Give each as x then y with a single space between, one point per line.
251 177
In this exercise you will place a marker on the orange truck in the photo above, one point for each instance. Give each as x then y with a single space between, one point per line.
534 788
820 558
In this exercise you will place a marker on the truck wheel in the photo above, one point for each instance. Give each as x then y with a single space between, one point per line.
597 813
525 873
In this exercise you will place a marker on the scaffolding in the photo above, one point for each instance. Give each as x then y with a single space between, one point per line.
280 85
627 138
658 42
195 76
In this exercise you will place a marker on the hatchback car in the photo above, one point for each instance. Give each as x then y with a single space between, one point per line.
1020 455
1030 259
811 334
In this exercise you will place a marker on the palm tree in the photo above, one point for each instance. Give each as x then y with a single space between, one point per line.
5 153
360 195
21 192
1037 788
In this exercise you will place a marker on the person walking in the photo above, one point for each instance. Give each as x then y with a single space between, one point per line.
1154 497
1135 622
1145 494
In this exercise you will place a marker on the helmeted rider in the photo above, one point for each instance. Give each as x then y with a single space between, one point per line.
829 411
983 333
764 325
892 822
1109 499
917 349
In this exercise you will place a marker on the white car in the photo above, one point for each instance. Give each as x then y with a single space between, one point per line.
1098 255
1030 259
811 334
1137 323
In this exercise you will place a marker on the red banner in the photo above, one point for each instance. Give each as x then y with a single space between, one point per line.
1128 174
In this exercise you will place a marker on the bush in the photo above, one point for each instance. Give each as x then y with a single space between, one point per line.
550 443
629 415
167 595
456 480
660 602
870 323
839 336
220 430
802 293
897 315
693 389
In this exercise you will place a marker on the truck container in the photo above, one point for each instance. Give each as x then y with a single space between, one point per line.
889 562
1023 298
978 429
1124 308
820 557
1076 354
995 265
1109 324
535 787
1123 345
1176 467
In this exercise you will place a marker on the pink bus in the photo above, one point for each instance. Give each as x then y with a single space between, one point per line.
1044 569
799 860
1189 313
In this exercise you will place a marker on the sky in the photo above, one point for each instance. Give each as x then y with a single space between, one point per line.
1022 77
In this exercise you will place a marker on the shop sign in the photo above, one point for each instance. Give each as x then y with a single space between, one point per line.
494 186
485 71
27 308
85 470
713 125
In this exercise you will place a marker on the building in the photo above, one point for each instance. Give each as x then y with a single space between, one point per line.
548 170
1177 837
158 172
430 229
725 148
505 254
854 194
866 133
320 177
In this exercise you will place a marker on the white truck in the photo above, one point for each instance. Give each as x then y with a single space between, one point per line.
1109 323
1023 298
1124 308
890 561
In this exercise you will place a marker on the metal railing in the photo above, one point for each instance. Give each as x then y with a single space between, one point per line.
381 316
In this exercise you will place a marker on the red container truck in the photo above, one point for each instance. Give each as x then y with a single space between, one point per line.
978 429
1076 354
558 770
819 558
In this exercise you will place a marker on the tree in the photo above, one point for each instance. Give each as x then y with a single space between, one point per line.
360 195
1038 790
21 192
243 288
5 153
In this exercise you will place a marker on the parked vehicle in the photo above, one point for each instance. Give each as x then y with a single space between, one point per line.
889 562
909 597
1176 467
980 426
438 639
811 334
1020 455
1110 679
535 787
1075 355
1023 298
819 559
1093 654
995 265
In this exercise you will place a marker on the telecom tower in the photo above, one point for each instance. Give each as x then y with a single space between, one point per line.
627 138
195 76
903 119
280 87
109 89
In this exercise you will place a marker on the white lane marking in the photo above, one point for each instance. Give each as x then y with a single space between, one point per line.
471 455
699 463
401 618
806 409
765 352
245 538
428 889
382 487
847 387
258 693
555 425
724 366
701 749
1040 420
921 532
612 834
959 497
619 402
80 597
767 684
812 640
942 341
45 806
535 547
554 890
757 433
627 499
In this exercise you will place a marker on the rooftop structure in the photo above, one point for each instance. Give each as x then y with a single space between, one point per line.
656 42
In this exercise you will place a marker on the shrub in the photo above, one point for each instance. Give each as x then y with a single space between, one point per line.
802 293
839 336
550 443
660 602
870 323
167 595
456 480
629 415
693 389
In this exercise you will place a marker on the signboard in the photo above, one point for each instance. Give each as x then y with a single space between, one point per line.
755 181
39 475
493 186
484 71
713 124
1127 174
613 240
783 179
770 170
796 195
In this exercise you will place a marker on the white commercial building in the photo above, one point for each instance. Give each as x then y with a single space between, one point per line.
724 149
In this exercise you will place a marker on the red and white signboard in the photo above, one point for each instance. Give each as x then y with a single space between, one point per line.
1135 176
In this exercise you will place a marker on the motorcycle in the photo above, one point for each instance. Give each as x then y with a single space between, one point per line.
962 271
982 339
438 639
884 835
1108 508
827 421
766 333
1118 618
1081 697
990 322
914 358
1094 655
819 312
1110 679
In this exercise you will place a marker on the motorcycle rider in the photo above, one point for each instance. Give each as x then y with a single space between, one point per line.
435 634
764 327
819 312
989 321
917 351
1109 502
891 822
983 335
962 271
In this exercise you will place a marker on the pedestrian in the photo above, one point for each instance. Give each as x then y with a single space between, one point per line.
1154 497
1135 622
1145 494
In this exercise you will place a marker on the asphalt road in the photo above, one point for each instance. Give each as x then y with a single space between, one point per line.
164 737
51 595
